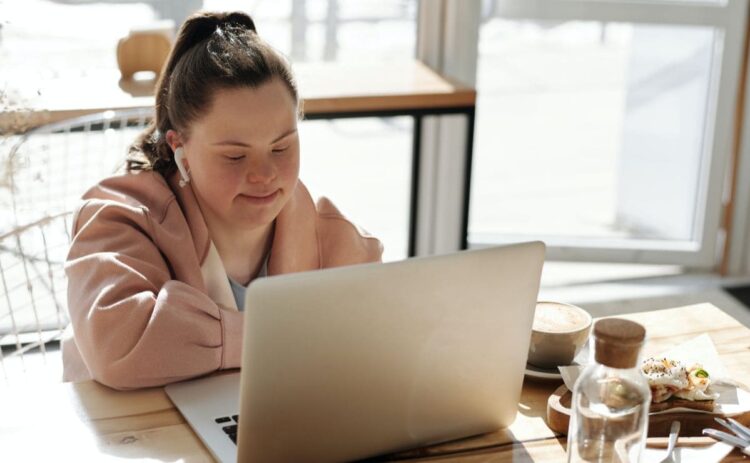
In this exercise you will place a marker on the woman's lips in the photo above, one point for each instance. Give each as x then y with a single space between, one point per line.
260 199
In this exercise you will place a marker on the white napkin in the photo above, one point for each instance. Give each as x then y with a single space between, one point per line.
732 399
712 452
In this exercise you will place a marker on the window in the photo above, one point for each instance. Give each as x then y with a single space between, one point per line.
363 165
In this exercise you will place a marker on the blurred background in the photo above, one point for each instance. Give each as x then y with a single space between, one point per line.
589 132
613 130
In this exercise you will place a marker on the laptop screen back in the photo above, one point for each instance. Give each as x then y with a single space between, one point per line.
356 361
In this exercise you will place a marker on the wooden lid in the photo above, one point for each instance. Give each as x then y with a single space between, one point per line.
618 342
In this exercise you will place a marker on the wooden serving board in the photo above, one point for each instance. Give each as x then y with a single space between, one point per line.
692 423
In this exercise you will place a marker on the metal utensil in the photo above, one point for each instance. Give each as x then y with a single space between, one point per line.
730 439
740 429
674 431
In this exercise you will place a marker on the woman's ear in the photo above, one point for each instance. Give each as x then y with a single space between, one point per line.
173 139
174 142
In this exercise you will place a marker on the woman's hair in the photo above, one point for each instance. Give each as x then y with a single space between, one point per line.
213 51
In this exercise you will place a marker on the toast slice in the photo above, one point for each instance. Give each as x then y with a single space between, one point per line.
675 402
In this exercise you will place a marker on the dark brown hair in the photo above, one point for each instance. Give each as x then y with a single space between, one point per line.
213 51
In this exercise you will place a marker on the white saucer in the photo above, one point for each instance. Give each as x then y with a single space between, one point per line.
554 373
542 373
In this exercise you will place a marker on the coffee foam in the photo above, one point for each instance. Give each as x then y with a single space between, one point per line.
556 318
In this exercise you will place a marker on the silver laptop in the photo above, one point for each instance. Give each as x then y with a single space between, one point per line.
351 362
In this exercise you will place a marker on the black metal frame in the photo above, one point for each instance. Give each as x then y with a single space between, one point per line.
418 115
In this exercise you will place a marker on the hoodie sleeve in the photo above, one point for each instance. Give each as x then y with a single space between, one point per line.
341 241
134 325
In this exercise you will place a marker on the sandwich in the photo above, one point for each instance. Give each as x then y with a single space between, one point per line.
673 385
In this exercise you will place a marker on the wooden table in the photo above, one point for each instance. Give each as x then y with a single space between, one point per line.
328 90
92 422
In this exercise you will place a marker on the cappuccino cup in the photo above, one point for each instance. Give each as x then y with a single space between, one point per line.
559 332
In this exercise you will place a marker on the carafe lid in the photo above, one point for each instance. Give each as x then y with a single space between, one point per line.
618 342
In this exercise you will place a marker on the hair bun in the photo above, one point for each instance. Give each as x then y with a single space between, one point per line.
201 25
238 18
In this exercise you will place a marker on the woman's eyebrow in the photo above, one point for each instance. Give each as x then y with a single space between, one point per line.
285 135
245 145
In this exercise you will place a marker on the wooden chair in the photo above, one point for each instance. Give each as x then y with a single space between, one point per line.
142 51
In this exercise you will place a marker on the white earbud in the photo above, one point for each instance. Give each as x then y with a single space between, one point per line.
179 159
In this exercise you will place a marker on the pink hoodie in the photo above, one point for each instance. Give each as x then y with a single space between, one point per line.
148 296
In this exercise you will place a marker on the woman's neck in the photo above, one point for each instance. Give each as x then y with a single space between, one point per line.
242 250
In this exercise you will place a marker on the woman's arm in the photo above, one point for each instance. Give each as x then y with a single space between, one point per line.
134 325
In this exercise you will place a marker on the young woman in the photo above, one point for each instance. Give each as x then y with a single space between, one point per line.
161 256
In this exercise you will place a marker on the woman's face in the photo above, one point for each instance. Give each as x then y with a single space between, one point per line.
243 155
